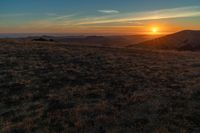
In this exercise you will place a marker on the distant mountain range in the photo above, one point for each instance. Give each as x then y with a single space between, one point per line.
183 40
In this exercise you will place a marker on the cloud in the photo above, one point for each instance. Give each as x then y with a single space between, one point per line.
64 16
180 12
108 11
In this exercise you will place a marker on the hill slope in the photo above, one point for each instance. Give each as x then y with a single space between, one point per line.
49 87
183 40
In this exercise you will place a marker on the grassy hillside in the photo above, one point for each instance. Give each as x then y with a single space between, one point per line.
49 87
183 40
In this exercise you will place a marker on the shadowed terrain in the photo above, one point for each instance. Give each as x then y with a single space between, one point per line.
183 40
54 87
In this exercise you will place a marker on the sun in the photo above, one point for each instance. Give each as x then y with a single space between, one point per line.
154 30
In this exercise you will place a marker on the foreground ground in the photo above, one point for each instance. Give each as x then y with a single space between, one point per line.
65 88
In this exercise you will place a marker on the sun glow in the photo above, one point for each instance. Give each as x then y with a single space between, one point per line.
154 30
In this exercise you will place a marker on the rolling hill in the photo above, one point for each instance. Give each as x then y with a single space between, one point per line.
183 40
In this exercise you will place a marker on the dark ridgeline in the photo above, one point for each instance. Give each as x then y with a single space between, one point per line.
183 40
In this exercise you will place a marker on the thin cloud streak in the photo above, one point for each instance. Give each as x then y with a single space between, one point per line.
64 16
108 11
150 15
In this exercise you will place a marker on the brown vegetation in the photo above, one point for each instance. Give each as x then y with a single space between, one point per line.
49 87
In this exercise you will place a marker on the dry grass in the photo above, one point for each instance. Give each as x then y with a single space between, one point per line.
65 88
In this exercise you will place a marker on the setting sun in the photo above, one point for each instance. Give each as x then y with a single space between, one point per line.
154 30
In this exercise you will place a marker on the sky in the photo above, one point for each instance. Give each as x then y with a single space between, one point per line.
99 16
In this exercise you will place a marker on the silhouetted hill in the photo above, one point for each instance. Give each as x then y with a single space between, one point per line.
42 39
183 40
